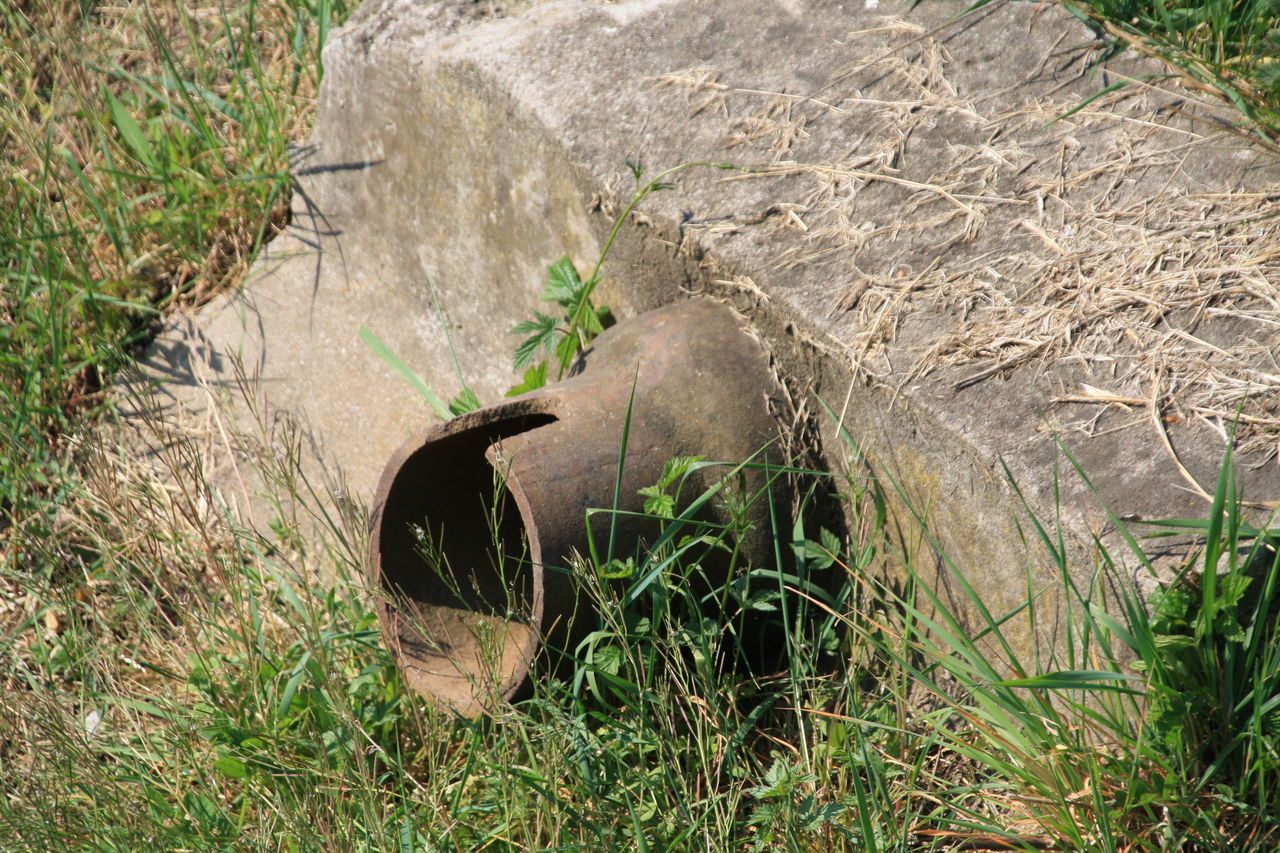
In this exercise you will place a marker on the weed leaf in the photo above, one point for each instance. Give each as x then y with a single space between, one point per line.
617 569
132 133
541 331
534 377
466 401
563 282
232 768
657 502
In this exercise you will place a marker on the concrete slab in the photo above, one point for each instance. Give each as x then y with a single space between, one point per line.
924 237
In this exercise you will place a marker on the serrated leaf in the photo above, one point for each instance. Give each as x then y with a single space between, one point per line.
563 281
590 323
659 504
534 377
675 468
817 555
617 569
1231 589
1172 603
829 540
821 813
780 780
541 331
540 323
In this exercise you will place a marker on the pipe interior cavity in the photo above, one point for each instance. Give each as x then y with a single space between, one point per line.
456 563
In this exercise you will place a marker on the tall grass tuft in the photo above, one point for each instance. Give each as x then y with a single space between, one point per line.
1230 48
172 680
147 150
199 685
1152 727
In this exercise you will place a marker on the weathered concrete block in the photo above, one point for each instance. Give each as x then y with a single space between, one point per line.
928 245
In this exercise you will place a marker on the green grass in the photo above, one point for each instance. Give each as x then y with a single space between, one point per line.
171 680
201 686
1228 47
146 158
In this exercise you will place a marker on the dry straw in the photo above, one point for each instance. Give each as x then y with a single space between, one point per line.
1029 236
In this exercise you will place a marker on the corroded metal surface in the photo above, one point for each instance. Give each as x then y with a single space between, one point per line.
476 520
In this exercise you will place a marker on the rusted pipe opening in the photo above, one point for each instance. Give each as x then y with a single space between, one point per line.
460 568
475 519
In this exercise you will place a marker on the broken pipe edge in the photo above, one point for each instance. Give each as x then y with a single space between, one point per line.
498 497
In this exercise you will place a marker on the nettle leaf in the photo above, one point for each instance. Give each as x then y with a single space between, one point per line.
589 320
617 569
542 333
658 502
1172 603
821 554
563 282
816 555
781 779
534 377
608 659
815 814
829 540
1231 589
1226 624
676 468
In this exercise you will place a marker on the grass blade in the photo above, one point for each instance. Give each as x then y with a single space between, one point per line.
384 352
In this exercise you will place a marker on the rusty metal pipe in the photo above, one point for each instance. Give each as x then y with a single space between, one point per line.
477 519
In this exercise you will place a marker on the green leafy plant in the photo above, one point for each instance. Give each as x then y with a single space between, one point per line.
658 498
172 680
559 338
788 808
1207 644
562 338
149 151
1229 47
1154 727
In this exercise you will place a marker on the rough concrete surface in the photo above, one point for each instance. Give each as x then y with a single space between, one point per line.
927 245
